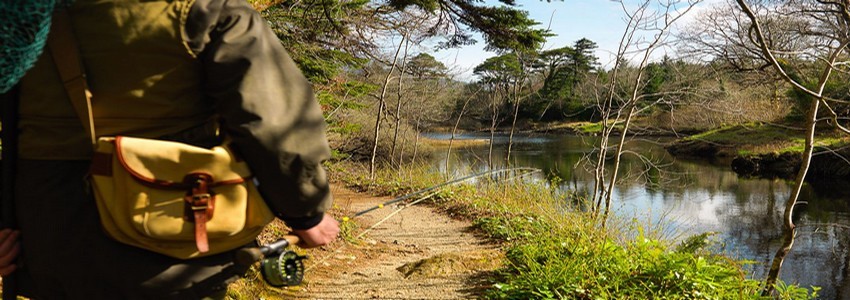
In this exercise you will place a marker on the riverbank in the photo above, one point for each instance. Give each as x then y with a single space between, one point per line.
768 150
753 149
506 240
550 250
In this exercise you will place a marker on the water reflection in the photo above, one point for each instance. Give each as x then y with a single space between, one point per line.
696 196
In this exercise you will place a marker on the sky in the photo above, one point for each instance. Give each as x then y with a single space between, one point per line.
601 21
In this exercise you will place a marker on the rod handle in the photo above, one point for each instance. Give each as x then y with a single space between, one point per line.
248 256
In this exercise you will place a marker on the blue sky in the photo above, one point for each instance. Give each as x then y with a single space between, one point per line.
601 21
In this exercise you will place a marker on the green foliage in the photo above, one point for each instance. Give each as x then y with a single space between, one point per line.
426 5
425 65
836 88
345 128
749 133
565 265
695 243
504 28
314 32
500 70
350 91
790 291
563 71
513 227
348 230
656 75
590 128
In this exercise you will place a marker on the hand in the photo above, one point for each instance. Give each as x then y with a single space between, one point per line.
319 235
9 249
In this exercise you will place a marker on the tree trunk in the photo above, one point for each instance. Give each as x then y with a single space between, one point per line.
398 104
516 89
381 104
788 222
454 130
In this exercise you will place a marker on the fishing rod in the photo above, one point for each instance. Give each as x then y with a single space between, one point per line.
281 267
526 171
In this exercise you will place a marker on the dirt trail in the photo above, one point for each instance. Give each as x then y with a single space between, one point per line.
418 253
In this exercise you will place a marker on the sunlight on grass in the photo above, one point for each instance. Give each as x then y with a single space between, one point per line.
555 251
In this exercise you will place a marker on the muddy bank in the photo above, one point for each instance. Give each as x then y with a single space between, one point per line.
825 164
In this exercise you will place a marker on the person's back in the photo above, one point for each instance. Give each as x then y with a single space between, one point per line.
172 70
145 80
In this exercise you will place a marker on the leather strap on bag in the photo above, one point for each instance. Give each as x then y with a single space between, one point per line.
200 206
66 54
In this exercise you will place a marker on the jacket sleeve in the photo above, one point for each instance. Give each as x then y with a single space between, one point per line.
267 106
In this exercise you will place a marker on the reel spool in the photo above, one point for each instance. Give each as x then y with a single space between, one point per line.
286 269
279 267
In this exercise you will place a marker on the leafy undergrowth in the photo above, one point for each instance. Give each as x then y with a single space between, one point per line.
556 252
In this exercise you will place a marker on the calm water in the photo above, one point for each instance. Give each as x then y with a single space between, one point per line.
695 196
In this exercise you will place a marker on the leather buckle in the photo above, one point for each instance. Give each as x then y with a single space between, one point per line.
199 206
199 201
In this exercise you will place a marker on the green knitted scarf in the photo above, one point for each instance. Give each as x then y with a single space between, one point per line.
23 33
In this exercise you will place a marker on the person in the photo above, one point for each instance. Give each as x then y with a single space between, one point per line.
176 70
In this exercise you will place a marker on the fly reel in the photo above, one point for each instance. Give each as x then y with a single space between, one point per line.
286 269
280 267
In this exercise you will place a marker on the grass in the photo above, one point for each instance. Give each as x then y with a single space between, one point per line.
760 138
749 133
580 127
556 252
589 128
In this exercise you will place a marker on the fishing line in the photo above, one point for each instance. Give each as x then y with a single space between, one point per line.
432 193
456 181
394 213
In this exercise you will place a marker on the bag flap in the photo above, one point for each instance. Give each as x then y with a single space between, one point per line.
166 163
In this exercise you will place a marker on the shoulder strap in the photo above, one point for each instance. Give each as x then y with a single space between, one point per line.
66 55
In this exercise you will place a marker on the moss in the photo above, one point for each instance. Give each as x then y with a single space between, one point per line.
753 139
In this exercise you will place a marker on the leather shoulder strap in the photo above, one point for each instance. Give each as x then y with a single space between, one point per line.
66 55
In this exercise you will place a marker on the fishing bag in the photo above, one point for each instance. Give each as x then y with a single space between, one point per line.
175 199
167 197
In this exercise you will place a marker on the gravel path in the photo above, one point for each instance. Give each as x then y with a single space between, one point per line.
418 253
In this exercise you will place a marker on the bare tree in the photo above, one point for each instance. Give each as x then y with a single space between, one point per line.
617 112
821 50
399 101
381 104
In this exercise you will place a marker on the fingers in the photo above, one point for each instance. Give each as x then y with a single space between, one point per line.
8 238
7 270
8 257
9 250
320 235
6 266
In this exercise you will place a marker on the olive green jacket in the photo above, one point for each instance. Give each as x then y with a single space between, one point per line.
157 68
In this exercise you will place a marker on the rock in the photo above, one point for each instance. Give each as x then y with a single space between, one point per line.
447 264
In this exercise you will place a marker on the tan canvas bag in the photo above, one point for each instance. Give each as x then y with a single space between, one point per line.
176 199
167 197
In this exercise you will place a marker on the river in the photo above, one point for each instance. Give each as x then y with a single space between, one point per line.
690 196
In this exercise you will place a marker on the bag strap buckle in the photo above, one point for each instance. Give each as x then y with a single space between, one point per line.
199 201
199 206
